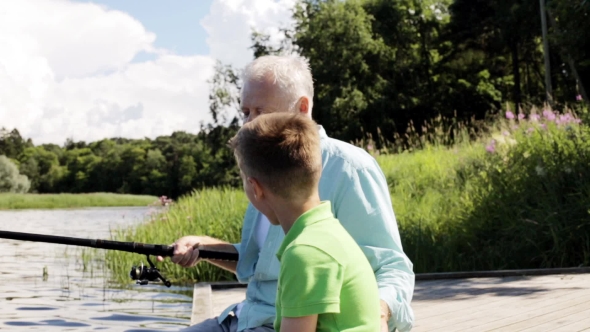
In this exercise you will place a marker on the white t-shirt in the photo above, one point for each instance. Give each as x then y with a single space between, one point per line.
261 231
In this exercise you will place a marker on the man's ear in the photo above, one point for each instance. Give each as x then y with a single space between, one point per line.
256 188
304 106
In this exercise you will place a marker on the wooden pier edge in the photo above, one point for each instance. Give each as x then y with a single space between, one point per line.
202 303
216 285
543 299
501 273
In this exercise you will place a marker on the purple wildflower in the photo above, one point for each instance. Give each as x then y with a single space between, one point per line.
549 115
491 148
578 97
505 133
509 115
544 126
520 116
530 130
534 117
565 118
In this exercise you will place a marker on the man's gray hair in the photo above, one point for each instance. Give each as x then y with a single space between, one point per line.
290 73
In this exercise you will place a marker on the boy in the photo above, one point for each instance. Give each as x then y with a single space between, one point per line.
325 281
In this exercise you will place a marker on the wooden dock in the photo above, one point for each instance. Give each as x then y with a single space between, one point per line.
555 302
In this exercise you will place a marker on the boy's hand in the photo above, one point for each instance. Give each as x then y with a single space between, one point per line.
385 315
384 326
186 251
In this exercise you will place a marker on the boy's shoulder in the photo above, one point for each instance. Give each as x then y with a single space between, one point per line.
327 238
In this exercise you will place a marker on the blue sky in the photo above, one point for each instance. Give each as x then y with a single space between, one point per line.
90 69
176 23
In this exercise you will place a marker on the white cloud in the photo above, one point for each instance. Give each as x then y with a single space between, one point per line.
66 71
230 22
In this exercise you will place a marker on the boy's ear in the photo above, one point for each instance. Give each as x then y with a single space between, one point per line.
256 187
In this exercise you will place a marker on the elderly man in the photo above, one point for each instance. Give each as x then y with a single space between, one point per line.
351 180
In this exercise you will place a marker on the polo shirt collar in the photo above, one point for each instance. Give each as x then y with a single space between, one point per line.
315 215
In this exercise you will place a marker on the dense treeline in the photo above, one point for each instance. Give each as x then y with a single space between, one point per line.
378 65
168 165
381 64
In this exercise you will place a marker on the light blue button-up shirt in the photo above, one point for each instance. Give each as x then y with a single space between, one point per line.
356 187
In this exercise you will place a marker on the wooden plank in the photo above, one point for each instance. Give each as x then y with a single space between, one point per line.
559 318
506 298
425 277
450 314
202 303
511 309
513 303
496 286
522 319
580 325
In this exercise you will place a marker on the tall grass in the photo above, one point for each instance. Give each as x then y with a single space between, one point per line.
516 198
515 194
213 212
62 201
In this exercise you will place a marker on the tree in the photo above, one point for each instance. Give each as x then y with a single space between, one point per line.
569 23
10 179
11 143
224 100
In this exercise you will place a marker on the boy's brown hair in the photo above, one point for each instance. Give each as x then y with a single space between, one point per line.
282 151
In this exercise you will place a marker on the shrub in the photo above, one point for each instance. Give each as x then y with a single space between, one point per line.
10 179
530 196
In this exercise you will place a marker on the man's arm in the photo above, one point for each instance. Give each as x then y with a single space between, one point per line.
186 251
364 208
299 324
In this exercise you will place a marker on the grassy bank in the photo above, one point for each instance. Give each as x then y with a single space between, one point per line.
518 197
214 212
63 201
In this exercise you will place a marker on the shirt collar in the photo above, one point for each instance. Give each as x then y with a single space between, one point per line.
315 215
322 132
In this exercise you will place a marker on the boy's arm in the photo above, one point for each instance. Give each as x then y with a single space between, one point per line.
299 324
364 208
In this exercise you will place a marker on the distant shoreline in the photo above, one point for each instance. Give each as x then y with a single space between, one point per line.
10 201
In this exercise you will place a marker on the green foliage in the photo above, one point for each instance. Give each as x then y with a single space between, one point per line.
168 165
214 212
67 201
530 197
380 65
10 179
515 197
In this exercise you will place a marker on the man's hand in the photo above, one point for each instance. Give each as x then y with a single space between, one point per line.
385 316
186 250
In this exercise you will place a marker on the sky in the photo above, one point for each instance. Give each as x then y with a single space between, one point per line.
89 70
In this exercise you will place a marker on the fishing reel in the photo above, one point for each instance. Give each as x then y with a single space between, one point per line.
144 274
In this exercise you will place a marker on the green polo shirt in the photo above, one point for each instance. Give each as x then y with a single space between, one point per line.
323 271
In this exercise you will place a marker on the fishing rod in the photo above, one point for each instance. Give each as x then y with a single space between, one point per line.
142 274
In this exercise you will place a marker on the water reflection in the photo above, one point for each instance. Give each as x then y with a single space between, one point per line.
71 296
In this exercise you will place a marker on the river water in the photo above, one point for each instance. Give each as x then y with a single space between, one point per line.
69 297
